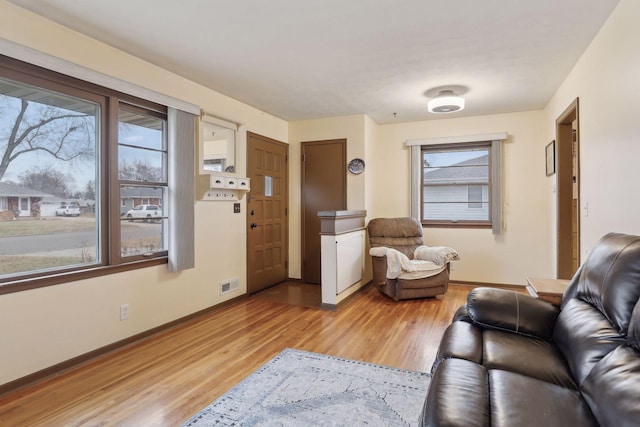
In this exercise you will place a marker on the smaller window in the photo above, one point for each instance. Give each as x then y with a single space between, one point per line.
456 184
142 157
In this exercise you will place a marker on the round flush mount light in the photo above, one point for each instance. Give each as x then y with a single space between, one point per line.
447 101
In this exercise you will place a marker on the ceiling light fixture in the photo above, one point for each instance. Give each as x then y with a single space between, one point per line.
447 101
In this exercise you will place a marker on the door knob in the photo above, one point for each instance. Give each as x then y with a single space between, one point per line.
254 225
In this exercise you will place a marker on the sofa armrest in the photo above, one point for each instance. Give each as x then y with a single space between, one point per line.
511 311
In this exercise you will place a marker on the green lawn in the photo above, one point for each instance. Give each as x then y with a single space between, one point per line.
10 264
34 226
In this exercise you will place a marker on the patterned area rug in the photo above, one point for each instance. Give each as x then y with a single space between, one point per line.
298 388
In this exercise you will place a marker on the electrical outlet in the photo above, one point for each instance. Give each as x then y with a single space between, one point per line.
236 208
124 311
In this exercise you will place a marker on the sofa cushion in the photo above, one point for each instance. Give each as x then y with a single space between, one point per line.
527 356
518 400
458 396
612 389
504 350
511 311
584 335
461 340
610 278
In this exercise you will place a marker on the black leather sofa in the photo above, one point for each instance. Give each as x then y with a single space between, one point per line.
512 360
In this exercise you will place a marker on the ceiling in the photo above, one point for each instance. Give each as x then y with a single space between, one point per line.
305 59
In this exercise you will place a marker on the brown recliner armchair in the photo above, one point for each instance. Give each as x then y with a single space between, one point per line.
405 236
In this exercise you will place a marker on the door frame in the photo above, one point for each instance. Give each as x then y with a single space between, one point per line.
303 213
565 216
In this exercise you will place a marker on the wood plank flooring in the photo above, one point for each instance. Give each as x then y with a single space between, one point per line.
167 378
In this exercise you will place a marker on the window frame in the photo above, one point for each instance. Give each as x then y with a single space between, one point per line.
497 140
459 223
109 210
117 184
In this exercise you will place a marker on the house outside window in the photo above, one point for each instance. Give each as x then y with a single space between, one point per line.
477 196
456 185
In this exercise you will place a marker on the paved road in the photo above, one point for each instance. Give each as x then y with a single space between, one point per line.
73 240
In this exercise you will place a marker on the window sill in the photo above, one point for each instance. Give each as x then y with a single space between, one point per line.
456 225
71 276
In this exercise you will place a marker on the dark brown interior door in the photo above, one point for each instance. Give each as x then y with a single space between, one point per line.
324 188
267 223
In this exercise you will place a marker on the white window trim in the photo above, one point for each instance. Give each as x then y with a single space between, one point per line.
496 139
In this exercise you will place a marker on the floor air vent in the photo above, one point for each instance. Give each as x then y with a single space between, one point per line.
228 286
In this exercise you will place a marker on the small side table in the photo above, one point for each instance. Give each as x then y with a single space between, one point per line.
550 290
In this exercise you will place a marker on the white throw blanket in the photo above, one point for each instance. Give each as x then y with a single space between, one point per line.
441 255
399 266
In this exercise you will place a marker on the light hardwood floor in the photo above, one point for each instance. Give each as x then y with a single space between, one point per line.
165 379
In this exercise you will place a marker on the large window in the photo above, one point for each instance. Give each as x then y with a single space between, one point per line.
49 143
456 184
84 182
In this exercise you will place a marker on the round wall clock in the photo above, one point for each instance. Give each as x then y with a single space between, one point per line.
356 166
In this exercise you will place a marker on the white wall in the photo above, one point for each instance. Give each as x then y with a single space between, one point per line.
522 249
42 327
383 189
606 80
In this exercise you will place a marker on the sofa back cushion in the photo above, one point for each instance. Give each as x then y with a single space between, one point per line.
597 313
613 386
584 336
609 280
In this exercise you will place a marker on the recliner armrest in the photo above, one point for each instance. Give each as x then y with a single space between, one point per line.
511 311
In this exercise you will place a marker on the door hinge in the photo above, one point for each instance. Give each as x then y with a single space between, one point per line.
303 158
286 264
286 211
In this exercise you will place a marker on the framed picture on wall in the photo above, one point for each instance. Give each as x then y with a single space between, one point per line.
550 152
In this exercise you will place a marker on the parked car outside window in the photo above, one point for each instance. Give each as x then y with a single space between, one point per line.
147 212
68 210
